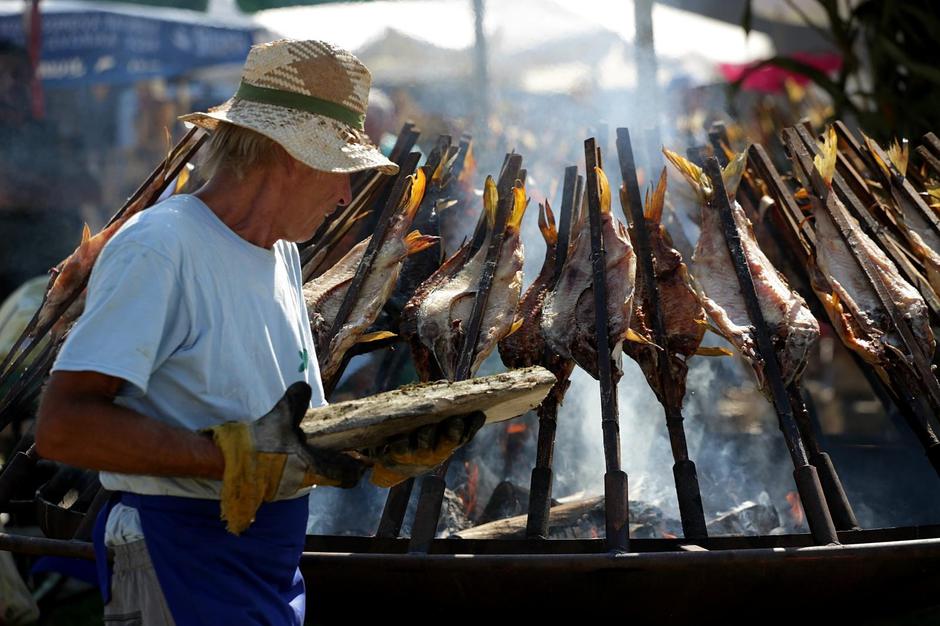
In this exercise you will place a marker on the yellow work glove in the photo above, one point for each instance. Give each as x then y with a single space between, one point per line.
421 450
269 459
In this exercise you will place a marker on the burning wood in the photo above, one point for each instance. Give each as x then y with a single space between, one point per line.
568 321
325 294
794 329
370 421
683 316
435 317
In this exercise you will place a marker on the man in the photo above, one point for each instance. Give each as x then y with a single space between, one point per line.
194 327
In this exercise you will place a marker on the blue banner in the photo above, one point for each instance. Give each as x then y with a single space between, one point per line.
84 47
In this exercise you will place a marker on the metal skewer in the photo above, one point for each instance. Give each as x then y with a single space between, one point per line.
615 479
432 487
807 480
686 478
540 488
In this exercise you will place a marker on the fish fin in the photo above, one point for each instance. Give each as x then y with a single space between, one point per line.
519 204
603 190
732 173
516 325
635 337
376 336
86 234
416 195
692 174
713 351
656 200
415 242
490 201
825 161
547 224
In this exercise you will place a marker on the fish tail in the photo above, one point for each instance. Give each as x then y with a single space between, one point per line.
519 204
416 242
603 190
547 224
490 201
655 200
692 173
825 161
416 194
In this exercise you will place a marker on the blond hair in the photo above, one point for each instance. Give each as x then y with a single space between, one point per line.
237 149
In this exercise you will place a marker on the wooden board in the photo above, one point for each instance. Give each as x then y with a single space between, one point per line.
370 421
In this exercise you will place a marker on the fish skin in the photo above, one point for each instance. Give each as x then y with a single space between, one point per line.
793 328
683 316
437 314
853 305
324 295
422 355
568 320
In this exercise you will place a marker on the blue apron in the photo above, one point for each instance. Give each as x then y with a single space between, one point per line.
207 574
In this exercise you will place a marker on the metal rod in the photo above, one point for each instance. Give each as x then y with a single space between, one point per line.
843 517
686 478
393 514
615 479
540 488
40 546
807 481
365 265
433 485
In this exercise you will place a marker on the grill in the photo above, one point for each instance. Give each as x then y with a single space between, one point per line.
836 569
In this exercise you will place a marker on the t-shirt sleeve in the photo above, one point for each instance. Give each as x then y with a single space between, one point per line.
133 318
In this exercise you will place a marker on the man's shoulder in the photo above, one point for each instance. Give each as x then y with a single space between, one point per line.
167 228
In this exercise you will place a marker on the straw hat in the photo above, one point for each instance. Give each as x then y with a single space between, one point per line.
308 96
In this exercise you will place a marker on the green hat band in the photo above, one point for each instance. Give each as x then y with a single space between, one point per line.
301 102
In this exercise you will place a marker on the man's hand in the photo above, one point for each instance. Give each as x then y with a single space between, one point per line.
422 450
269 459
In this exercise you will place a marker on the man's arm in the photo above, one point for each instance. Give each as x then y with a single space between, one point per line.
79 424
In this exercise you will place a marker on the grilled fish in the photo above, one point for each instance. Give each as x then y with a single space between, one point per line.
324 294
851 302
527 345
568 320
436 315
920 235
683 315
793 328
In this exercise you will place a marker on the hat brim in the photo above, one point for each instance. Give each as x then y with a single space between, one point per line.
320 142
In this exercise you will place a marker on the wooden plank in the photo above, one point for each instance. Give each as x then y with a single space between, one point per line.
372 420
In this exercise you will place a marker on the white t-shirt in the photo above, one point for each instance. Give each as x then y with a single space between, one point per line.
204 326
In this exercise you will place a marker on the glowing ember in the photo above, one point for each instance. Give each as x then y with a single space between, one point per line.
669 535
469 494
796 508
514 428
